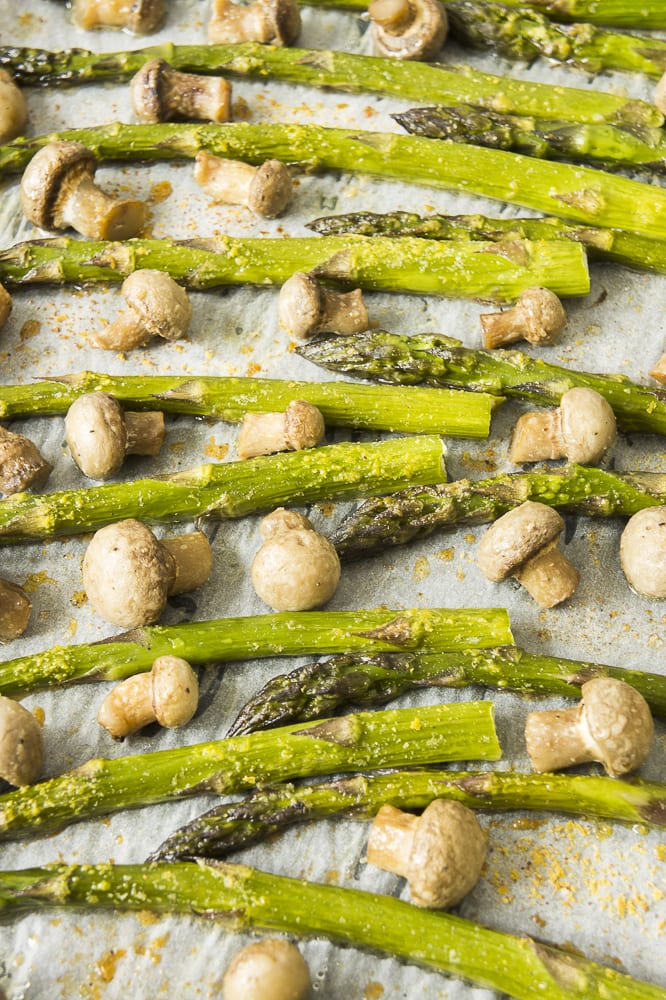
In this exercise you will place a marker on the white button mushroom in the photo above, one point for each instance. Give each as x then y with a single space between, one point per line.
538 316
160 93
300 426
440 853
128 574
100 434
22 467
612 724
138 16
408 29
274 22
167 694
157 306
266 190
15 608
306 308
58 190
296 568
21 744
523 544
5 305
13 108
272 969
581 429
643 552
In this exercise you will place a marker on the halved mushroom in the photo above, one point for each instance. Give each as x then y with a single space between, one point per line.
21 464
300 426
13 108
272 969
21 744
157 306
408 29
100 434
141 17
266 190
643 552
273 22
161 93
15 608
537 316
167 694
306 308
582 429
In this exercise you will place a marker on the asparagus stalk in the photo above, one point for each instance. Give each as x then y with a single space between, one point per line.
524 34
333 70
516 965
608 146
267 811
224 639
228 489
463 270
433 359
394 738
342 404
321 688
416 513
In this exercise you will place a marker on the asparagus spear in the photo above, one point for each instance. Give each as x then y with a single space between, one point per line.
342 404
464 270
523 33
321 688
228 489
333 70
516 965
608 146
433 359
267 811
416 513
394 738
224 639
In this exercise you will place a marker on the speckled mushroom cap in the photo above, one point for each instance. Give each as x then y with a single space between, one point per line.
448 852
272 969
21 744
158 302
271 189
515 537
618 724
22 466
300 304
588 425
643 552
422 37
13 108
96 433
48 176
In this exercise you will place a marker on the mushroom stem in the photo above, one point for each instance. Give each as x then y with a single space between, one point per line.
300 426
277 22
137 16
266 190
5 305
15 608
538 316
13 108
536 436
344 312
555 740
306 308
391 839
392 15
160 93
145 432
97 215
549 577
128 707
169 694
193 561
659 370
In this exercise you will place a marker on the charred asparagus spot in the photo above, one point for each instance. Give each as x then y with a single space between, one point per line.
306 308
276 22
643 552
58 190
581 429
160 93
408 29
266 190
141 17
13 108
300 426
538 316
271 968
157 306
167 694
99 434
21 465
15 608
21 744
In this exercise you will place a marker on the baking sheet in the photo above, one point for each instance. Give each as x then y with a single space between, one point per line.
597 887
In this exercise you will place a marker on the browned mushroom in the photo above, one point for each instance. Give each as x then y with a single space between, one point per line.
582 429
100 434
128 574
440 853
274 22
523 544
21 465
5 305
537 316
643 552
167 694
141 17
13 108
272 968
306 308
266 190
300 426
58 190
659 370
161 93
157 306
408 29
21 744
612 724
15 608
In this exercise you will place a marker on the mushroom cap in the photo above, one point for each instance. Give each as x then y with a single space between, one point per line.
146 90
127 574
271 189
618 724
643 552
515 537
15 610
13 108
21 744
305 425
285 20
543 315
423 34
158 302
300 305
96 433
281 520
587 425
175 691
296 569
272 968
21 464
48 176
448 853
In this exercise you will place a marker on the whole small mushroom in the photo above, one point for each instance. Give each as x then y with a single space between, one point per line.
306 308
300 426
658 372
272 969
581 429
266 190
538 316
643 552
141 17
128 574
21 744
408 29
157 306
99 434
523 544
273 22
5 305
167 694
15 608
22 467
296 568
13 108
612 724
440 853
58 190
160 93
